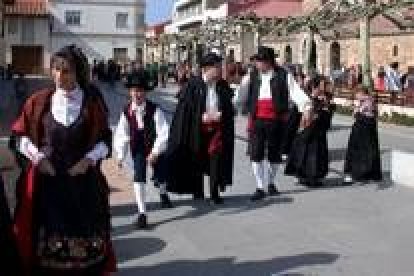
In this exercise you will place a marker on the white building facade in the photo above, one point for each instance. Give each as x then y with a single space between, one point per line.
104 29
27 37
191 14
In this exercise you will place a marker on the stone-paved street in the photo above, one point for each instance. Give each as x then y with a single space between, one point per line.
352 231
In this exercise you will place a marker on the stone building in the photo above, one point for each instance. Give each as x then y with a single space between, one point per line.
392 36
156 50
27 36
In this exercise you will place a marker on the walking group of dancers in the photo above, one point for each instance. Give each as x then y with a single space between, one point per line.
62 221
283 118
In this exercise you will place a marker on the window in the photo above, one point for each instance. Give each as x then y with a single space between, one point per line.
277 53
73 18
288 54
335 56
140 20
121 20
231 55
13 26
120 54
395 51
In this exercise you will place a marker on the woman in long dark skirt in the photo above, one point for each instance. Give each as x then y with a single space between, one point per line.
363 158
308 160
9 260
62 221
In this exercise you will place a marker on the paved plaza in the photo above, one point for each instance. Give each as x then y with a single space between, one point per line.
353 231
359 230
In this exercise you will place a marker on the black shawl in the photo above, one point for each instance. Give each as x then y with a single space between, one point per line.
185 141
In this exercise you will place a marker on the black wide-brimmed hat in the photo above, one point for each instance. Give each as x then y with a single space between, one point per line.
210 59
136 80
265 54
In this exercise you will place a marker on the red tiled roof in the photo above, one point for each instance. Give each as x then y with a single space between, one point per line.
158 28
27 8
267 8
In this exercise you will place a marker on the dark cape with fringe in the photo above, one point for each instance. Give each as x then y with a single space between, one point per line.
185 145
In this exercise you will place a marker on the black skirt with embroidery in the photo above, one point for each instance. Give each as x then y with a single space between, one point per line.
70 213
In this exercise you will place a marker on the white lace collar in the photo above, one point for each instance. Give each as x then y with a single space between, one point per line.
66 106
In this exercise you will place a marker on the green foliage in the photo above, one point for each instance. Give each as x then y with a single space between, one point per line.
398 119
344 110
393 118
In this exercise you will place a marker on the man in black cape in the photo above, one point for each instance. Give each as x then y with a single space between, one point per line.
202 134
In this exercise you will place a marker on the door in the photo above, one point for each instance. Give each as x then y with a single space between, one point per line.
27 59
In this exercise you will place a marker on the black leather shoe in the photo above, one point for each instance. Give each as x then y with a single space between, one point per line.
198 196
314 184
258 195
141 222
272 190
217 200
165 202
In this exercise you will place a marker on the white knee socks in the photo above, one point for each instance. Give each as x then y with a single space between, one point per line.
139 189
259 173
163 188
265 173
273 168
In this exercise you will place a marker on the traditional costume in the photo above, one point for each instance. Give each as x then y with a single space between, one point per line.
363 157
309 158
196 148
143 130
292 127
62 222
268 104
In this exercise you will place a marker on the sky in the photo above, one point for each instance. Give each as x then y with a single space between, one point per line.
158 11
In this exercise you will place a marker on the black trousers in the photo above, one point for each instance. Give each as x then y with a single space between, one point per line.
266 140
212 166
